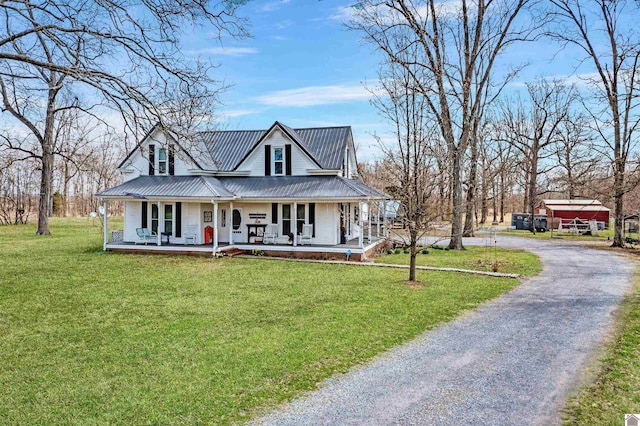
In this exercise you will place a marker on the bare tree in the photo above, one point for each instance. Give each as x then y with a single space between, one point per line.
597 29
532 128
409 159
455 46
104 49
576 157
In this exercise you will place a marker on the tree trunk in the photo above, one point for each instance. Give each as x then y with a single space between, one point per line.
618 238
412 263
46 179
532 185
502 196
457 199
471 191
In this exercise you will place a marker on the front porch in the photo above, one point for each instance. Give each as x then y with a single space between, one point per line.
320 251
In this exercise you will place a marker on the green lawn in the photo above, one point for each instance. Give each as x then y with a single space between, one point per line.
88 337
475 258
615 390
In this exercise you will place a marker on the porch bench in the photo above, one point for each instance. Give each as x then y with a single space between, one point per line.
145 236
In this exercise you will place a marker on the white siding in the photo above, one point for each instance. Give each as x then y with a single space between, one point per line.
326 224
139 164
300 162
132 219
191 223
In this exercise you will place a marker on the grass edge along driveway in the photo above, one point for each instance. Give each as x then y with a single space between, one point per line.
614 390
95 338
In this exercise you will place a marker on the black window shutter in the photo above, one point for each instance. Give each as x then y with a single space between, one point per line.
143 222
274 212
312 216
287 155
267 160
178 220
152 160
171 160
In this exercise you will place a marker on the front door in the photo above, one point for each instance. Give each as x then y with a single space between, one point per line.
236 225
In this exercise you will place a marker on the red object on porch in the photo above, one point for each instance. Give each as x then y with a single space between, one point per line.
208 235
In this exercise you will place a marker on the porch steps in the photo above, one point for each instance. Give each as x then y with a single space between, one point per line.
231 252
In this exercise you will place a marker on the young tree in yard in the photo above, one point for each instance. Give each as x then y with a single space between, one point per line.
532 128
123 54
454 48
409 158
603 30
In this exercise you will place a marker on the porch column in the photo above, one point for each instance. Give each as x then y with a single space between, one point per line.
384 219
378 219
230 222
294 219
105 223
160 223
215 227
369 213
360 225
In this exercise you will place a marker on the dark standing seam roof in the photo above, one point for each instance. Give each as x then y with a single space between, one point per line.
306 187
272 187
228 147
326 144
170 186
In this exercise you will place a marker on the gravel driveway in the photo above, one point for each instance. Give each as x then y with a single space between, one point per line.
511 361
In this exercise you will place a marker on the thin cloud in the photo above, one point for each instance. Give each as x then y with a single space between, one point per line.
233 113
224 51
283 24
354 10
272 5
315 95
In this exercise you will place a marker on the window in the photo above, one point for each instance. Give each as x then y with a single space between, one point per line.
278 161
286 219
168 218
300 219
223 218
154 218
162 161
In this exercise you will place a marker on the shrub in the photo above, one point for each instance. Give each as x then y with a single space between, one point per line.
389 251
425 251
407 251
257 252
398 251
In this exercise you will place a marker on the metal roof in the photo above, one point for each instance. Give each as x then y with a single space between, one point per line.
577 208
269 187
306 187
325 144
228 147
169 186
572 202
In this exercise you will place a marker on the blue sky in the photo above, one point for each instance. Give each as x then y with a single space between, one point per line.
304 68
301 67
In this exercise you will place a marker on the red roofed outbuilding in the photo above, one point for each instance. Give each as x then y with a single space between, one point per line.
567 210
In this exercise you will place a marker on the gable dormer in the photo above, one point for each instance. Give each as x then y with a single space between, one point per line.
280 152
158 154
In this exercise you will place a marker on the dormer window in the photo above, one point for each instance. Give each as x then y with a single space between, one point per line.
162 161
278 161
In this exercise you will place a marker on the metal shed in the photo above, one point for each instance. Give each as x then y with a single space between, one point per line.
567 210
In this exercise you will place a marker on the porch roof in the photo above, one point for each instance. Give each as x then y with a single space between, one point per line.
263 187
170 187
